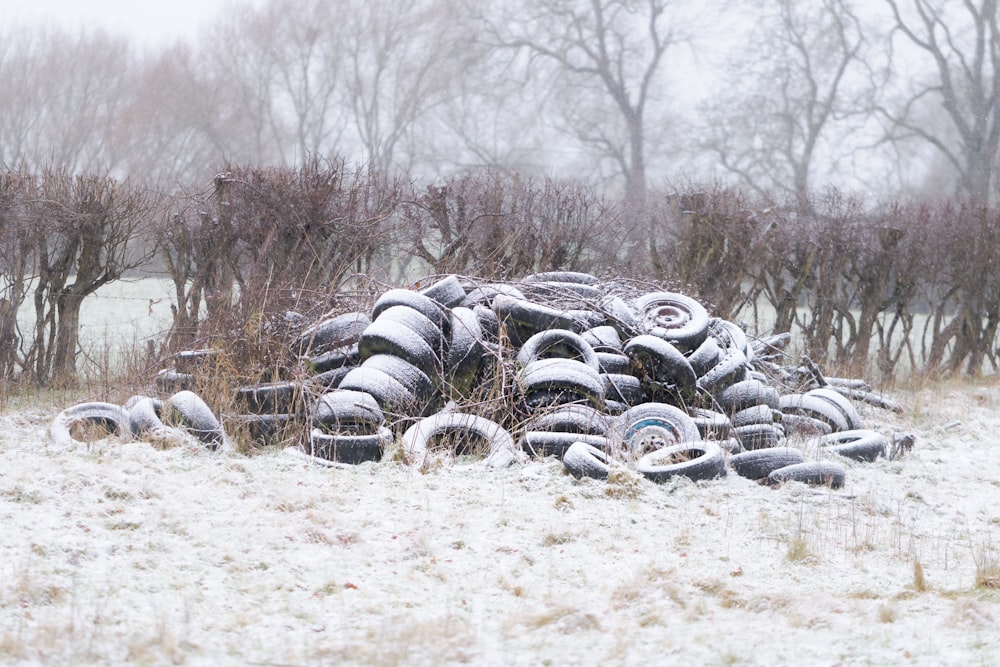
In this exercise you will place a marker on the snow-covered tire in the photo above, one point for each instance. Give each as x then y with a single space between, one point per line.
349 447
389 393
197 418
661 361
857 444
759 436
653 425
705 356
817 473
557 344
446 292
613 362
522 319
346 410
804 426
327 380
603 338
465 350
416 441
728 370
623 388
575 379
409 299
755 414
338 331
169 381
556 443
192 361
411 377
697 461
113 418
337 357
583 460
711 425
760 463
562 277
571 419
674 317
391 337
745 394
269 398
844 404
815 407
622 315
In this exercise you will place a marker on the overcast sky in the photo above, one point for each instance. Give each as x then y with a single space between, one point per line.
153 22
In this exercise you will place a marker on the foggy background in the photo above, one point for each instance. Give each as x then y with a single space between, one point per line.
895 97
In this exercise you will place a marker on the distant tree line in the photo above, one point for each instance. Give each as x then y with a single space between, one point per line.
885 286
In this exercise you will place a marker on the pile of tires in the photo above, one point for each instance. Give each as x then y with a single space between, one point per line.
556 364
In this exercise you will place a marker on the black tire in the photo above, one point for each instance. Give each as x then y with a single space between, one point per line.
484 294
327 380
583 460
759 436
745 394
465 350
758 464
653 425
562 277
347 410
144 416
815 407
417 439
338 331
389 337
695 460
416 322
197 418
802 425
556 443
192 361
711 425
730 369
857 444
446 292
390 394
557 344
613 363
561 291
489 323
112 418
410 299
705 356
844 404
604 338
623 388
269 398
568 376
731 336
675 318
817 473
349 448
581 419
270 429
337 357
169 381
411 377
622 315
661 362
522 319
756 414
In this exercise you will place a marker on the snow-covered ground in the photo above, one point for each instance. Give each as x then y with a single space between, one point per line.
121 553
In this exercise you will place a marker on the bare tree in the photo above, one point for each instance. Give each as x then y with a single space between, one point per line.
809 69
960 47
608 53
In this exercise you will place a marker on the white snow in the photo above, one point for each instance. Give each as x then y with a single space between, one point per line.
122 553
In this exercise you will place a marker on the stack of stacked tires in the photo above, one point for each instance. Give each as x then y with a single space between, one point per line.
593 373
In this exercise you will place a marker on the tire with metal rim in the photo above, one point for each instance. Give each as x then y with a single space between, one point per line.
695 460
651 426
674 317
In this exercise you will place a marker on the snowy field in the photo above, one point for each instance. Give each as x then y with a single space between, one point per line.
122 553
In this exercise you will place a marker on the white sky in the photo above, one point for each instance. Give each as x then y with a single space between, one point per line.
147 22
